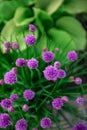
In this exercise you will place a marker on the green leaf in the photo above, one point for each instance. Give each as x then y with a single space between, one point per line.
75 6
42 19
74 29
22 16
49 5
60 39
7 9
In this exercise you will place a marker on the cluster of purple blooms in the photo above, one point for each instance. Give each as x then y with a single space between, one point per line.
51 73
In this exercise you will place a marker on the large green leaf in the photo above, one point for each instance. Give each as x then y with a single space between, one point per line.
61 40
7 9
74 29
49 5
75 6
42 19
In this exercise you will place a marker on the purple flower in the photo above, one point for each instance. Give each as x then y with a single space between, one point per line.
29 94
5 120
32 28
20 62
32 63
25 107
78 81
65 99
30 39
7 50
48 56
14 97
6 103
21 124
11 109
51 73
45 122
57 103
1 81
44 49
15 46
71 78
72 56
80 100
80 126
14 70
34 129
7 44
61 73
57 64
10 78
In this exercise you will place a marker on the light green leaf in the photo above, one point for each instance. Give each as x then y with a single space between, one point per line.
74 29
49 5
75 6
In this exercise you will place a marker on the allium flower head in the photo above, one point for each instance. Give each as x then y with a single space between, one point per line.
21 125
72 56
65 99
80 126
14 70
48 56
14 97
15 46
57 103
10 78
51 73
32 63
78 81
20 62
30 39
5 120
1 81
25 107
44 49
32 27
57 64
29 94
61 73
7 50
6 103
7 44
80 100
45 122
11 109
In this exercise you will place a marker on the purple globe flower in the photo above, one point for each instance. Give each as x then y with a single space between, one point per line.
14 70
6 103
80 126
51 73
80 100
61 73
25 107
11 109
78 81
21 125
48 56
29 94
20 62
15 46
5 120
7 50
65 99
34 129
30 39
7 44
32 28
14 97
10 78
45 123
32 63
57 64
72 56
57 103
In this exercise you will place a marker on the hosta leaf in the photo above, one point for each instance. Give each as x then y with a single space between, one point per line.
22 16
42 19
60 39
7 9
49 5
74 29
75 6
